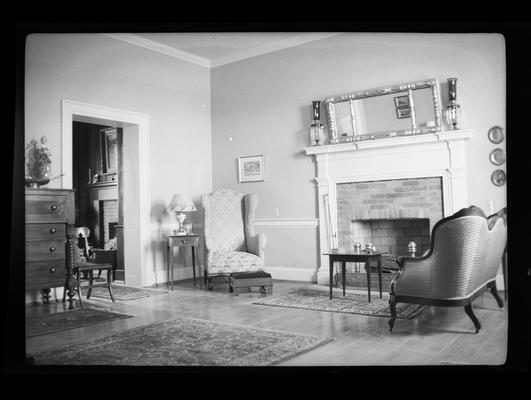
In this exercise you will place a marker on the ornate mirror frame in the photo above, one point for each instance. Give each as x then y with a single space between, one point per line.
407 90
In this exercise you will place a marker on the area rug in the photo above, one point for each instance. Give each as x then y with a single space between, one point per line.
185 342
352 303
122 293
60 321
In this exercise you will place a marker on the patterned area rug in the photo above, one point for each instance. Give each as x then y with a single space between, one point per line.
60 321
185 342
122 293
352 303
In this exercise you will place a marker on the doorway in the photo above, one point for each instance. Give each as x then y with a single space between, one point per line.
97 171
133 180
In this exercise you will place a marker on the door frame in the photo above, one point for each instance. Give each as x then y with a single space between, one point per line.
137 212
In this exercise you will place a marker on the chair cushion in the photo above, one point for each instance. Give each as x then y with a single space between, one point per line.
234 261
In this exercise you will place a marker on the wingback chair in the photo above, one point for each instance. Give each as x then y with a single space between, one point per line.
230 239
463 260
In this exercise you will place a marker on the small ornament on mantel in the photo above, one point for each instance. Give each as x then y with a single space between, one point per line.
316 128
452 113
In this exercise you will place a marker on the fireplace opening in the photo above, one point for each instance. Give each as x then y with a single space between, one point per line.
389 214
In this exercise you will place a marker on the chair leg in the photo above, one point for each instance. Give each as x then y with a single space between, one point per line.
91 280
392 309
109 282
494 292
210 283
470 312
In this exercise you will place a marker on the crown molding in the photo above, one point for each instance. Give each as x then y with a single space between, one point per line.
273 46
160 48
204 62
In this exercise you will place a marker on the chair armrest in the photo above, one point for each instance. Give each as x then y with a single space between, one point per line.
256 244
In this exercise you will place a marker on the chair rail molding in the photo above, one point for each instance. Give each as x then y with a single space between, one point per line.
439 154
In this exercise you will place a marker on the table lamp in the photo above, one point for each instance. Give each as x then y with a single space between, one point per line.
181 203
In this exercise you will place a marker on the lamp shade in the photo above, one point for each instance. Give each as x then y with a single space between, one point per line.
181 202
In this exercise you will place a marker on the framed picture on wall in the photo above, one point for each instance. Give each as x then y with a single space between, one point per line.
109 150
403 112
251 168
402 101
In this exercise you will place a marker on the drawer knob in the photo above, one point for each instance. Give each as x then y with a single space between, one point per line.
52 270
53 230
52 248
54 207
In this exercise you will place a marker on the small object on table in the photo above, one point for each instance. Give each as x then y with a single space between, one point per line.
412 249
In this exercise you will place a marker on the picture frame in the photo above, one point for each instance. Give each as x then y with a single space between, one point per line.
251 168
404 112
109 150
402 101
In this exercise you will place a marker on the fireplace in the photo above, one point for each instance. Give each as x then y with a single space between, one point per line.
387 191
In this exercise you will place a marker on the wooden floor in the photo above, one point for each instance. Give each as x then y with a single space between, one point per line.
439 336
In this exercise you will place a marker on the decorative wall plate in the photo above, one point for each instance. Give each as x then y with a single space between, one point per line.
496 134
498 177
497 156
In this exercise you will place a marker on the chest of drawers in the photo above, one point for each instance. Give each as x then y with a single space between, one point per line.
49 212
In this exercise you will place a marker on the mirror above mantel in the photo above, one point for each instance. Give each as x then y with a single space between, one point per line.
400 110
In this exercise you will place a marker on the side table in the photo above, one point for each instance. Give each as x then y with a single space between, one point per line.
179 241
364 257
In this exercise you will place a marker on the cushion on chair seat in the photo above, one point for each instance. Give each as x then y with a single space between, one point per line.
234 261
87 266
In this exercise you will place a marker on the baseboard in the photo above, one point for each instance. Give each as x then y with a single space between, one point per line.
292 274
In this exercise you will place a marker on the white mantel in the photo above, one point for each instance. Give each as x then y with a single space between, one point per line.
428 155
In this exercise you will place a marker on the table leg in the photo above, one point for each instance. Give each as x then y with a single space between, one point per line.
193 262
368 271
331 275
343 273
379 261
168 265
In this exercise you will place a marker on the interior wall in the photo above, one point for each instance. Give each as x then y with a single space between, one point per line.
96 69
262 105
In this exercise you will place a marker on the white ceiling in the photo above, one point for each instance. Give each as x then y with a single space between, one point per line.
215 49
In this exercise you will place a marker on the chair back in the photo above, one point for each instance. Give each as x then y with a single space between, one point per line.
497 243
81 246
224 221
459 246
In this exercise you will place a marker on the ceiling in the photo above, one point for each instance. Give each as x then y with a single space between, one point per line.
215 49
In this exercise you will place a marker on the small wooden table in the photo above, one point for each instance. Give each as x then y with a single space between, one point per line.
179 241
364 257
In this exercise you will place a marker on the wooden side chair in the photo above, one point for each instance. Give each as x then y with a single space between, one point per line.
86 263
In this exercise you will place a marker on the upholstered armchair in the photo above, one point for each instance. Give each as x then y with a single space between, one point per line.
463 260
230 239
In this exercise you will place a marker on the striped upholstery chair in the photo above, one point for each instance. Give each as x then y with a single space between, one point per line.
230 239
464 257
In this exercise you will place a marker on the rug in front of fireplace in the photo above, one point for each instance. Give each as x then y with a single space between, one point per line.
351 303
184 342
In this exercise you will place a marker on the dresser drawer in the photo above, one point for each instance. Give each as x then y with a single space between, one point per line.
45 273
45 250
42 206
185 241
36 232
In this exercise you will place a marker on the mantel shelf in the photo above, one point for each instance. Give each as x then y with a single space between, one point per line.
446 136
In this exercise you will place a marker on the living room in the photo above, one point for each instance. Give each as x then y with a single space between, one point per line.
194 107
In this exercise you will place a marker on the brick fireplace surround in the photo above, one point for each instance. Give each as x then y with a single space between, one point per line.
390 190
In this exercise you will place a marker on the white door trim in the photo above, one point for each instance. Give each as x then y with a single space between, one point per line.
135 241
